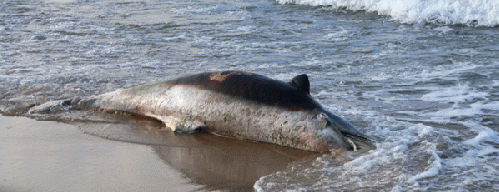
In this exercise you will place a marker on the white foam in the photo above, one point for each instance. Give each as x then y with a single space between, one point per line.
484 134
247 29
337 36
458 95
424 130
396 148
382 76
432 171
417 146
441 71
474 12
192 9
490 105
444 29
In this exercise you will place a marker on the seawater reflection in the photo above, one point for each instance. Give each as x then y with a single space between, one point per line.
218 163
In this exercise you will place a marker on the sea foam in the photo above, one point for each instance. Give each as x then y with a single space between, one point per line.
468 12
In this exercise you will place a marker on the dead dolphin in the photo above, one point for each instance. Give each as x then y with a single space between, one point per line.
231 103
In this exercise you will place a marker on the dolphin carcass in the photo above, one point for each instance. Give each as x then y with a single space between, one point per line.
235 104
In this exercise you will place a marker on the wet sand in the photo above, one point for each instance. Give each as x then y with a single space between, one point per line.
54 156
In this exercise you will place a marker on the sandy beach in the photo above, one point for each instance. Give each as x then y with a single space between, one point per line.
54 156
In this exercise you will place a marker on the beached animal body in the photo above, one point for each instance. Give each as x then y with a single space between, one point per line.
235 104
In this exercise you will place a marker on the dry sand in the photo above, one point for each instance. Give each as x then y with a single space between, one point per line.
53 156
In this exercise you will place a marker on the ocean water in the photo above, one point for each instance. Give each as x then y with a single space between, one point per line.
420 77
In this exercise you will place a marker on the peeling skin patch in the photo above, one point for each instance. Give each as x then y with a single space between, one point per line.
223 75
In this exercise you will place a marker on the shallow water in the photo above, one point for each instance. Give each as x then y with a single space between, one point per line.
424 84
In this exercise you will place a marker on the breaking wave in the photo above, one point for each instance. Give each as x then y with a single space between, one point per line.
452 12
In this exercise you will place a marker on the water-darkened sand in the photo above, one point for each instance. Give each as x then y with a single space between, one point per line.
53 156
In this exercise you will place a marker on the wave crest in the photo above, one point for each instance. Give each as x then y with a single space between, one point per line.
449 12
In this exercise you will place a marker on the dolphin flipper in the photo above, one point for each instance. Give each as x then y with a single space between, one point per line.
181 125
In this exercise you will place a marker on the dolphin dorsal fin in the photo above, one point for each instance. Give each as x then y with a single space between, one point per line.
301 82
